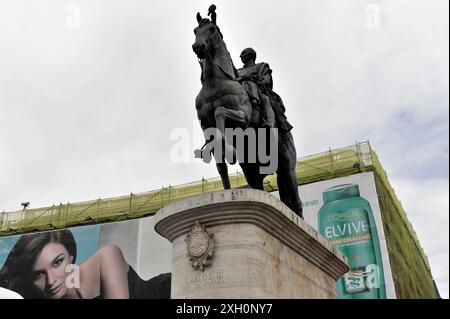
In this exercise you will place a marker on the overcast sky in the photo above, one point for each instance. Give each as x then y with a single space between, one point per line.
91 90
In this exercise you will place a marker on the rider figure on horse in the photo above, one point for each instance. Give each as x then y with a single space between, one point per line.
256 78
223 103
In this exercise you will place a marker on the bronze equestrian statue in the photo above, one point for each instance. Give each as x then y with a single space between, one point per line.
241 99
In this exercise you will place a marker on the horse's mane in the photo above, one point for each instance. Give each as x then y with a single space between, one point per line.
207 21
204 22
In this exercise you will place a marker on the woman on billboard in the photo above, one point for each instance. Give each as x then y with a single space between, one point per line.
42 265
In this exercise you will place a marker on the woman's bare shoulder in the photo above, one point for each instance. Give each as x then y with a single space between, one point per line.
110 249
104 253
90 269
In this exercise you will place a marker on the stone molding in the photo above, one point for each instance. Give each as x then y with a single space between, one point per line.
254 207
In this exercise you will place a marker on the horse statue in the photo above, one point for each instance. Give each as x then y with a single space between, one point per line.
223 103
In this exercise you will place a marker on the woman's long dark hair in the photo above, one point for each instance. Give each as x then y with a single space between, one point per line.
16 273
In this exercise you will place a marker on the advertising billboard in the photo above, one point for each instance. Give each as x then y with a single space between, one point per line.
117 260
346 212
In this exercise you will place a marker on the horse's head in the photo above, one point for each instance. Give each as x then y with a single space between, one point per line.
207 37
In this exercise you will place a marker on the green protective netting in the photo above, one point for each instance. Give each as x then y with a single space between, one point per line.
409 265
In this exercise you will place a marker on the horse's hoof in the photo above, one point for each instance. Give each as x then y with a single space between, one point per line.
198 153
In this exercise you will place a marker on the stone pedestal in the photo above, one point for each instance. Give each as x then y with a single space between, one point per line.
261 249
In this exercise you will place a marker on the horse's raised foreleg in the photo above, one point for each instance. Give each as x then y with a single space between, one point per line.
238 117
223 114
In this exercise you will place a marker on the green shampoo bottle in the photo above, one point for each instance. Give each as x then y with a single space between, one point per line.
346 219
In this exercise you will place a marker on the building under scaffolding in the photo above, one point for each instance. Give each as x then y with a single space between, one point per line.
409 268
